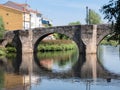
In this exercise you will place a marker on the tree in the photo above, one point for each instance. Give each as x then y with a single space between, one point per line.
112 13
60 36
93 17
74 23
1 28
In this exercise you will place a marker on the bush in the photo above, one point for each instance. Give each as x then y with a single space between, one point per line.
56 45
2 51
11 49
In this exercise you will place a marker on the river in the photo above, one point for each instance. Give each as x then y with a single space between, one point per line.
62 70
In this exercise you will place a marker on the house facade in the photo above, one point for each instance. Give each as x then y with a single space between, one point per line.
12 18
25 12
35 19
21 16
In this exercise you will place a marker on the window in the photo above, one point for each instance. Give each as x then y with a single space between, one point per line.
7 23
7 14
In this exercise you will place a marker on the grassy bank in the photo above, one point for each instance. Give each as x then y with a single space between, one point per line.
2 51
111 42
56 45
6 51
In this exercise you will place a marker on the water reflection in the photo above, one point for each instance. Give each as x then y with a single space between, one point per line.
109 58
58 61
49 69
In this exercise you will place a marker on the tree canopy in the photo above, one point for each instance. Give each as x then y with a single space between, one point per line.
112 13
1 28
93 17
74 23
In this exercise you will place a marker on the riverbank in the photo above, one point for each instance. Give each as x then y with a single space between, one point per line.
56 45
8 52
45 46
111 42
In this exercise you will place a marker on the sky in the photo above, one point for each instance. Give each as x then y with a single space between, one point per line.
62 12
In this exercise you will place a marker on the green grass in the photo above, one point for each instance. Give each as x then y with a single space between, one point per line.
7 51
2 51
111 42
56 45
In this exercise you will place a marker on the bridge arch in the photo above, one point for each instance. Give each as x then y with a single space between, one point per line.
73 32
82 35
102 32
13 37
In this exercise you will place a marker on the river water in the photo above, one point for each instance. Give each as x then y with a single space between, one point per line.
62 70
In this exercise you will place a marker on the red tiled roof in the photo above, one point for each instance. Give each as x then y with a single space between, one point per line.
10 7
21 7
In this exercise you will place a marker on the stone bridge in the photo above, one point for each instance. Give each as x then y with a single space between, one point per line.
87 37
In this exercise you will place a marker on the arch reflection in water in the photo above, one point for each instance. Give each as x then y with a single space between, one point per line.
32 71
58 61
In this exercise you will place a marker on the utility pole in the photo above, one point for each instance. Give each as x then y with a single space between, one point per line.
87 15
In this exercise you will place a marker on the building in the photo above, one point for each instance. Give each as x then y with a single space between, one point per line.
12 18
25 12
20 16
35 19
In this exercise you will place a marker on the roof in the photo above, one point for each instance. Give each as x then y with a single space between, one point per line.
17 6
10 8
22 7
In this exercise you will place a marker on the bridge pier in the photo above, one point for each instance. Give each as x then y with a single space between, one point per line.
27 42
91 46
27 63
87 37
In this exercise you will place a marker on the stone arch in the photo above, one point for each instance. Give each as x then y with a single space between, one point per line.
102 36
13 37
73 32
8 37
39 39
102 31
43 36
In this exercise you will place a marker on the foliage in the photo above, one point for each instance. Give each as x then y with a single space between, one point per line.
1 28
2 79
112 13
111 42
105 41
61 58
11 55
56 45
2 51
74 23
60 36
11 49
94 18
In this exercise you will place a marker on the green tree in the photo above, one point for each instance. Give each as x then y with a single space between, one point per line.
74 23
94 18
1 28
112 13
60 36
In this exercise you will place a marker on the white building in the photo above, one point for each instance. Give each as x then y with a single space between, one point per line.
35 19
31 18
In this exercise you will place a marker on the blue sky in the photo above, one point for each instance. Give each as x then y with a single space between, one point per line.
61 12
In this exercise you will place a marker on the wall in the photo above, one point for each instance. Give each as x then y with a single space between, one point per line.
35 20
26 20
12 18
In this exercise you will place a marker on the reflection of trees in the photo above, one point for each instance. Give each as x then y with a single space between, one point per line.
99 54
61 58
1 78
